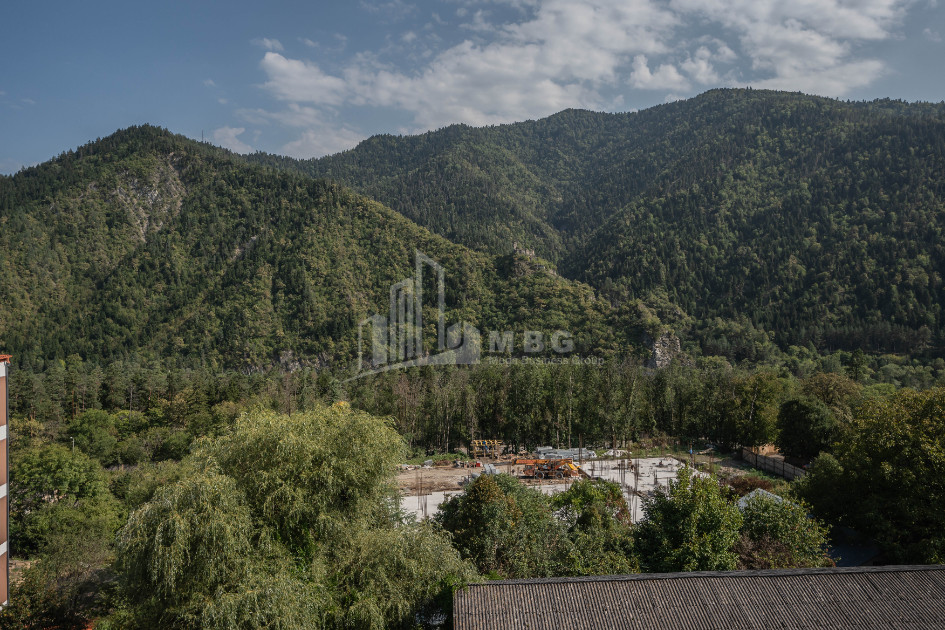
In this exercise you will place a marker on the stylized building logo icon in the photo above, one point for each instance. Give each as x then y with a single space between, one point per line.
397 341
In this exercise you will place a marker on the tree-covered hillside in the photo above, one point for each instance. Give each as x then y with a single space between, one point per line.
823 223
815 219
146 242
741 218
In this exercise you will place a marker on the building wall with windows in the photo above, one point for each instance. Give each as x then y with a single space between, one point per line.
4 486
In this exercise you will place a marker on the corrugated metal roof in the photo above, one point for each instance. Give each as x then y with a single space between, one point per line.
854 598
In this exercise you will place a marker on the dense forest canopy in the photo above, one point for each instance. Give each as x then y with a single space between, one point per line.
148 243
818 220
739 219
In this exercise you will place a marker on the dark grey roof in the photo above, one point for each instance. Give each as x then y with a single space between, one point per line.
854 598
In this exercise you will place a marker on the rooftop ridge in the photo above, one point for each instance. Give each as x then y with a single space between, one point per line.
903 568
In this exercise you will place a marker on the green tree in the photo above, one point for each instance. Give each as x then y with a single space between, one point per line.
398 577
507 529
857 367
757 417
806 426
693 527
886 478
598 522
95 433
310 476
825 487
286 521
189 554
778 534
46 476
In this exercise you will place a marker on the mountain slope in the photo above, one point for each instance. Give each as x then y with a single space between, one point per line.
816 219
146 242
820 221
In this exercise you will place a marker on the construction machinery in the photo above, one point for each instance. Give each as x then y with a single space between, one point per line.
549 468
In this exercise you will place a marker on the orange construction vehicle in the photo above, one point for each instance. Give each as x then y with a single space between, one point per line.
549 468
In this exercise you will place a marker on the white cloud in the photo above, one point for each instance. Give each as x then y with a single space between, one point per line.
393 9
931 35
319 135
561 56
267 43
228 137
699 67
833 81
322 141
806 45
554 54
209 83
666 77
722 53
301 81
479 23
308 42
863 19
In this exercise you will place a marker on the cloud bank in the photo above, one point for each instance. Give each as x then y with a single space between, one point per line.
594 54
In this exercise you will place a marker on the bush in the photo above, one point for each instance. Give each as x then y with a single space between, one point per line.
778 534
743 484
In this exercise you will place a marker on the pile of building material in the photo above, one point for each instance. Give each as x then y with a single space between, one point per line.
576 454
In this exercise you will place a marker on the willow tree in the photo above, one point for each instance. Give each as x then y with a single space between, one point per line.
289 521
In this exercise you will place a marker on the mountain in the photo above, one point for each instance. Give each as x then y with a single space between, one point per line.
742 219
148 243
811 221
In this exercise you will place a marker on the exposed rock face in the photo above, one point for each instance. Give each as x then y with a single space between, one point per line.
150 199
662 350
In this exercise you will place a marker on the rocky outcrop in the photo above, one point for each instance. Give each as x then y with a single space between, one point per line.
662 349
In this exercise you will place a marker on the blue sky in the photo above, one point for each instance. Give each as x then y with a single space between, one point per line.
308 78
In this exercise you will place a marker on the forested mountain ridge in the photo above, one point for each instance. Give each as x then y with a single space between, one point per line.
741 217
147 242
816 220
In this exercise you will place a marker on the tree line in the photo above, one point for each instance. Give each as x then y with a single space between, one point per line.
150 496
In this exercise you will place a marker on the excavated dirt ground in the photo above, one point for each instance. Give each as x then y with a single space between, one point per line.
442 478
436 479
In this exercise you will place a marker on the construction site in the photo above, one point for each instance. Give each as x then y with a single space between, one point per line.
424 487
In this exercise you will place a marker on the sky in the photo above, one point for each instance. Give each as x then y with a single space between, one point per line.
307 79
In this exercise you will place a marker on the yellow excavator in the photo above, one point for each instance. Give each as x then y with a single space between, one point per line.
549 468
